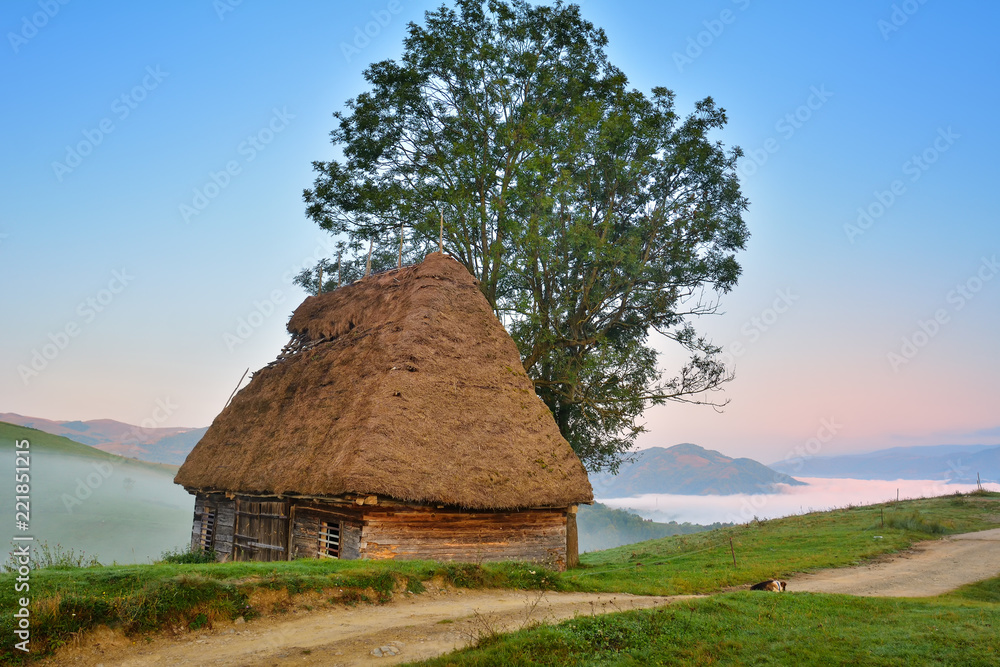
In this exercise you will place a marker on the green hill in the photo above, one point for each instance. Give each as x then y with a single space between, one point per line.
107 506
158 444
55 444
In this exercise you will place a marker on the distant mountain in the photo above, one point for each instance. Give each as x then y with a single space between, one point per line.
157 445
952 463
688 469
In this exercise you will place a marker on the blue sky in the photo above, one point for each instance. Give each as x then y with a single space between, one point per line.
123 119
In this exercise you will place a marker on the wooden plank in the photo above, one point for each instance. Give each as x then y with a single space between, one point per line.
572 540
261 529
397 530
225 524
451 535
350 538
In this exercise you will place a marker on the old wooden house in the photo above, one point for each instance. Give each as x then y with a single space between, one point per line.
398 423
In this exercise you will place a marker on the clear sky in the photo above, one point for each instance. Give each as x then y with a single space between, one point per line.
154 157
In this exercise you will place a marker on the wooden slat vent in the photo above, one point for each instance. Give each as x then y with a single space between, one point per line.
329 539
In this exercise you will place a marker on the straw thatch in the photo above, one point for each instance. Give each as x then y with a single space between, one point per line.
405 385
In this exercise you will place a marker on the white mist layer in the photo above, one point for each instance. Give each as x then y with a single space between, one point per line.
820 494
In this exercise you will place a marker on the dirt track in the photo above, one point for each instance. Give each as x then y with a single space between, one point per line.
929 568
424 626
415 628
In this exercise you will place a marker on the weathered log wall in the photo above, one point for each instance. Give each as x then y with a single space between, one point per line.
261 531
453 535
305 530
225 527
224 523
386 530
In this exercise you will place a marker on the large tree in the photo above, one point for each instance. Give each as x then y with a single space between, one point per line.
591 213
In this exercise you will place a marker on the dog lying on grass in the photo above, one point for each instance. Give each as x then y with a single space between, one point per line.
775 585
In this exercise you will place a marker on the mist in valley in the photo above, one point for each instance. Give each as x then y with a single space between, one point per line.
112 509
819 495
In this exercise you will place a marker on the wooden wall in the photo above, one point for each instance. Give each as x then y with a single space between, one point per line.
414 532
261 531
305 529
394 530
225 521
225 526
199 512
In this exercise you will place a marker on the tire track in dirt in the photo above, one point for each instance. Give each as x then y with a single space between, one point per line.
411 628
929 568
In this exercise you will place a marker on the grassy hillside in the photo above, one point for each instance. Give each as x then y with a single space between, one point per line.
50 444
158 444
741 628
747 628
141 598
114 508
703 562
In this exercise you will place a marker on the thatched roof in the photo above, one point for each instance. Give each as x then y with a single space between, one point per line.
404 385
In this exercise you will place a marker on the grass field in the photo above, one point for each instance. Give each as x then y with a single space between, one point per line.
147 598
746 628
743 628
703 562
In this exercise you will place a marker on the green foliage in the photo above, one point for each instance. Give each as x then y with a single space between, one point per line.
591 213
44 555
467 575
188 556
121 597
144 598
914 521
508 574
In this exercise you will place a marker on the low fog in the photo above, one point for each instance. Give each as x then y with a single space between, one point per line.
118 511
820 494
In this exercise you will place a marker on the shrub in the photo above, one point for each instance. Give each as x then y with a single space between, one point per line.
917 523
55 557
189 557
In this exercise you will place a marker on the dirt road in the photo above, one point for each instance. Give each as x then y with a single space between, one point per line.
929 568
427 625
411 628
